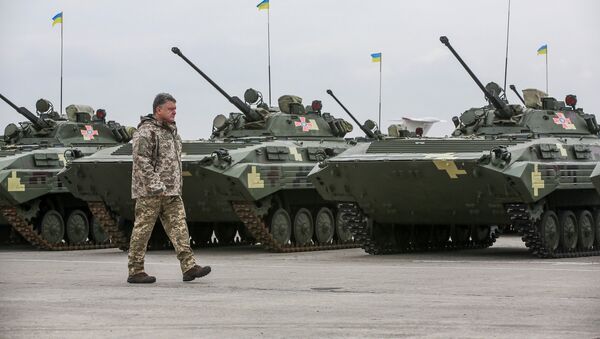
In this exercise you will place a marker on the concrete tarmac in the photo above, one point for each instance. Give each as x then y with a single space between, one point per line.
500 292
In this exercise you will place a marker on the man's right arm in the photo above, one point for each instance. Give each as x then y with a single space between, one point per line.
143 157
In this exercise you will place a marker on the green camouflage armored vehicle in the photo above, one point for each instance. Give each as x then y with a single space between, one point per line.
534 167
249 179
32 199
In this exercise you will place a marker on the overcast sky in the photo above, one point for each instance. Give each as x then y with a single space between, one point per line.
117 54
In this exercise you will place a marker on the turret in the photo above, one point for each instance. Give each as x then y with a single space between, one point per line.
37 122
250 114
541 115
503 111
80 127
258 120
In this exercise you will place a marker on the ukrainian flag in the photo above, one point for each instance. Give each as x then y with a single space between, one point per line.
263 5
542 50
57 19
376 57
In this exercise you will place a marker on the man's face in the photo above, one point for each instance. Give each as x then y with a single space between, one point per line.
166 112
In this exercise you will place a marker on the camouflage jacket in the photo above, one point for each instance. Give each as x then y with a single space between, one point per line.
156 159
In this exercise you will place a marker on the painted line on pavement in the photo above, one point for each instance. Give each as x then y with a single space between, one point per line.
542 262
399 267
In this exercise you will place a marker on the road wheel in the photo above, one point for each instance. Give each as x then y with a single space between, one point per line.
125 226
201 233
550 231
52 227
303 227
281 227
597 228
324 226
78 227
158 239
341 228
97 232
422 235
381 234
585 227
245 235
441 234
403 236
5 231
225 233
480 233
568 224
460 234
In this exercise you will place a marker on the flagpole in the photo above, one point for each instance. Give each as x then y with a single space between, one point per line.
506 56
61 62
547 71
269 49
380 62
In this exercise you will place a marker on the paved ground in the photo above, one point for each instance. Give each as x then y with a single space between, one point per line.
497 292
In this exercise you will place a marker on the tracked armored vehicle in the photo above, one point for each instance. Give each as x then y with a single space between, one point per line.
535 167
249 178
33 201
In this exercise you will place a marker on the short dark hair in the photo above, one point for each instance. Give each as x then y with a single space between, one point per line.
160 99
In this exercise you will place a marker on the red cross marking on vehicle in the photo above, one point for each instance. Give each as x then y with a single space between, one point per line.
89 132
306 126
562 120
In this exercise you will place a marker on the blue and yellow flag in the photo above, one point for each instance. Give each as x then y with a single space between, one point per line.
376 57
542 50
263 5
57 19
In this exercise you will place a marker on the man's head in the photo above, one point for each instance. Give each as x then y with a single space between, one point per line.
164 107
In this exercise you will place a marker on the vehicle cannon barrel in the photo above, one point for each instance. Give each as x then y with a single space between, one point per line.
251 115
369 133
37 122
514 89
502 109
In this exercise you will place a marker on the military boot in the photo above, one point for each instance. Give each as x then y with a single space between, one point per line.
141 278
196 272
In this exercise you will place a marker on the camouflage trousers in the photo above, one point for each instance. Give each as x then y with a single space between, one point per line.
172 216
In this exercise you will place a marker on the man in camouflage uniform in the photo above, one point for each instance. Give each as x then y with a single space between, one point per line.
156 187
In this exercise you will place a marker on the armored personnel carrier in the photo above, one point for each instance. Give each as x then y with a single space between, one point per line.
32 199
249 178
534 167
